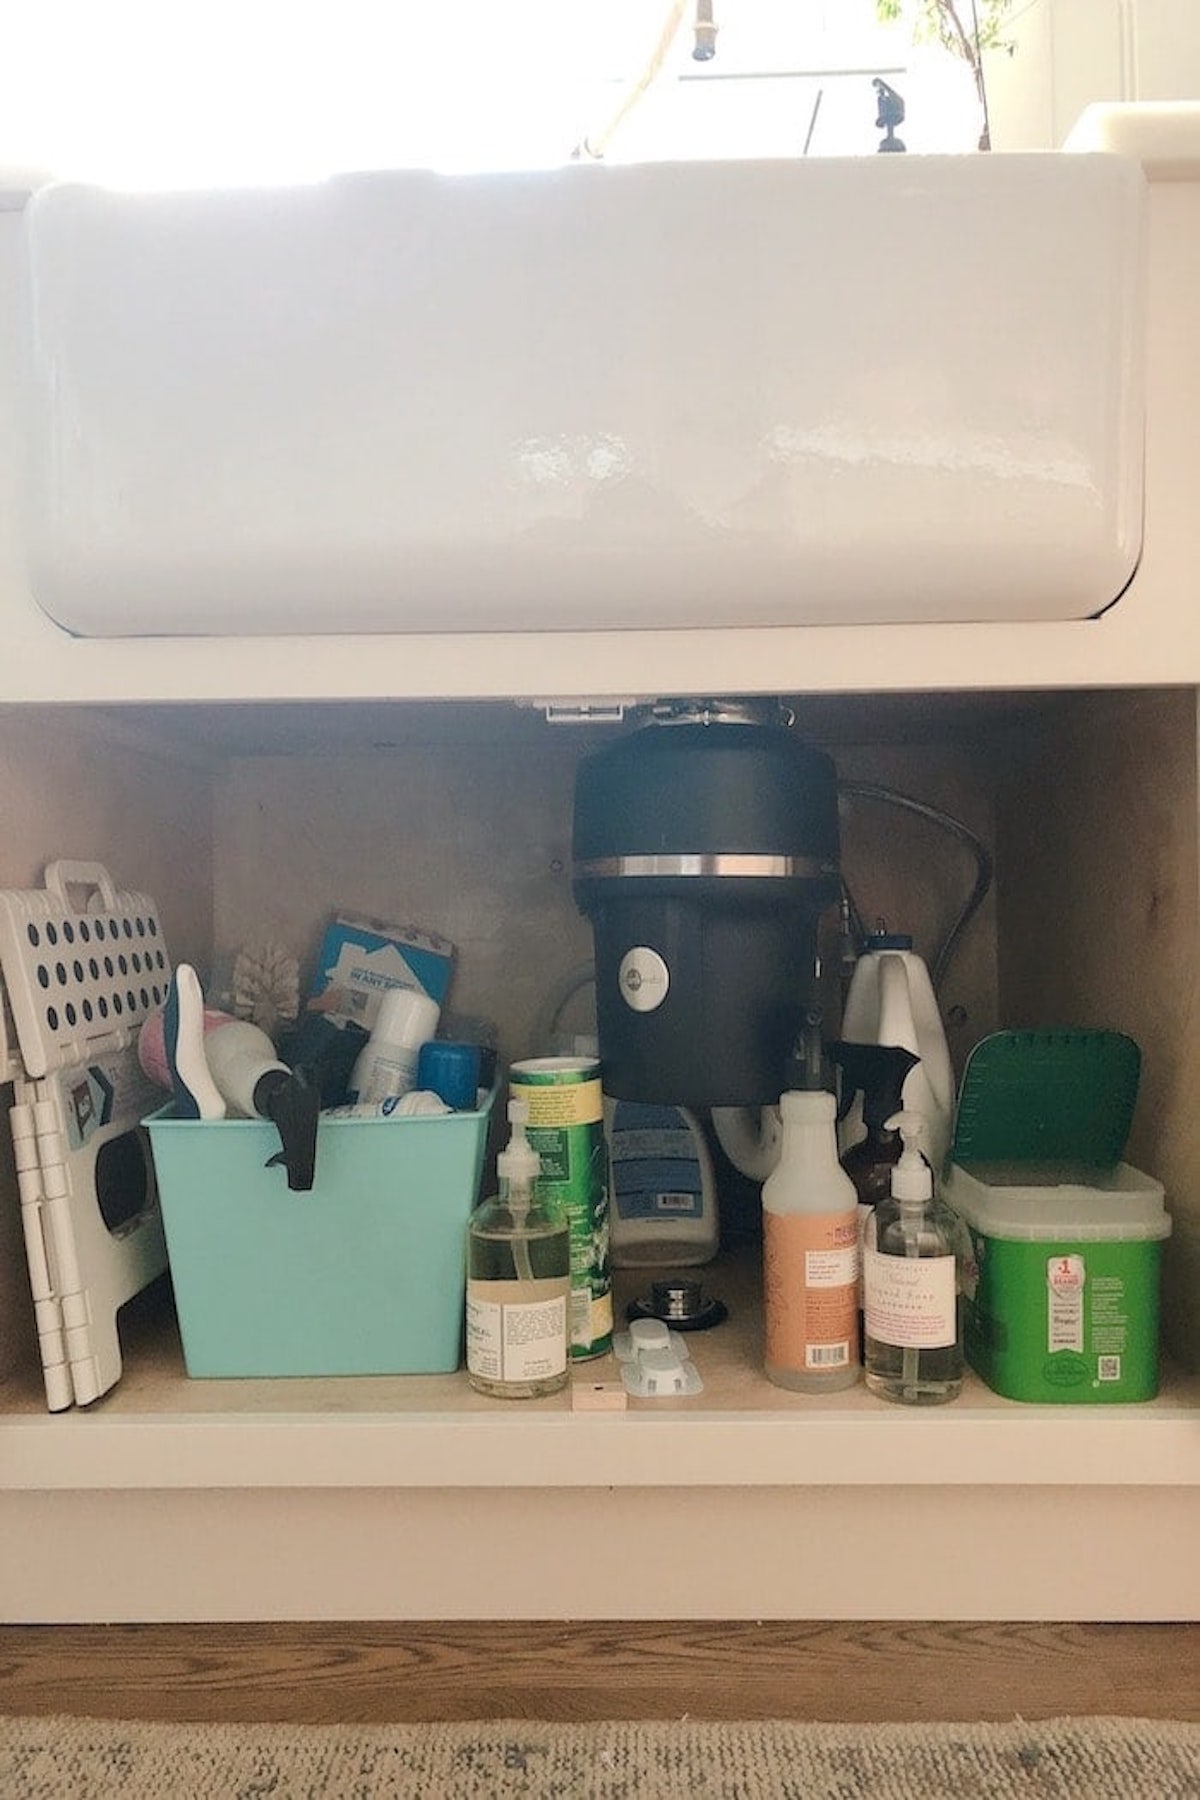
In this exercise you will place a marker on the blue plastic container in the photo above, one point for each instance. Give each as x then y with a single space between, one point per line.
364 1275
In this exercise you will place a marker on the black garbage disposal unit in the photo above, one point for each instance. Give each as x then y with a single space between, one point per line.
705 850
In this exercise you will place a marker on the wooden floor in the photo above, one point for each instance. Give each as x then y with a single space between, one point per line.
353 1673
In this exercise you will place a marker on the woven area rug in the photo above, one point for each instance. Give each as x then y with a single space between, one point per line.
1085 1759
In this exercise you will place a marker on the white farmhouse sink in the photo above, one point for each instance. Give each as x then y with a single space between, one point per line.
882 389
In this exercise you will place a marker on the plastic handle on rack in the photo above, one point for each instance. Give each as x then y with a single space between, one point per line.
63 875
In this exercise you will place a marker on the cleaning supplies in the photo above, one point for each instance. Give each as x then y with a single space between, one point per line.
175 1048
1061 1274
662 1188
912 1348
877 1072
891 1001
452 1070
259 981
406 1019
180 1028
518 1279
265 986
216 1066
810 1240
1061 1281
255 1084
327 1052
566 1128
664 1195
244 1066
418 1103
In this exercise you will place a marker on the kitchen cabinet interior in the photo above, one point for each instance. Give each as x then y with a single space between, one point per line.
182 1499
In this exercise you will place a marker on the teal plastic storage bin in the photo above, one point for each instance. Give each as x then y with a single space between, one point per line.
363 1275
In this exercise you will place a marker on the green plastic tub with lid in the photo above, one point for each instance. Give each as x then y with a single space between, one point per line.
1061 1280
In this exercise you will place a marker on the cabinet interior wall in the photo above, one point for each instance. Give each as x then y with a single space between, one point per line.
73 786
1096 854
253 822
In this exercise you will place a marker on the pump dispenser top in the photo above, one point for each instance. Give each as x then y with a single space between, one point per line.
518 1164
912 1177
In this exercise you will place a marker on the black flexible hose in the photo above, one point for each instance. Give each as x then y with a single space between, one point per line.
871 790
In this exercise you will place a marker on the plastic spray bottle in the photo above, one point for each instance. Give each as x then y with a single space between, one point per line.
878 1073
891 1001
912 1344
518 1280
810 1239
218 1066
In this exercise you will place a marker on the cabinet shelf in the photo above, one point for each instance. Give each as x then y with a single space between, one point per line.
159 1429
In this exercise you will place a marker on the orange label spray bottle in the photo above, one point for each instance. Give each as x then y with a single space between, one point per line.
810 1240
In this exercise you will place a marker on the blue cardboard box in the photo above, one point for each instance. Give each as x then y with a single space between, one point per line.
360 958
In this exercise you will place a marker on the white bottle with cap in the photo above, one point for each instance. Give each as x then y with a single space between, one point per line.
387 1063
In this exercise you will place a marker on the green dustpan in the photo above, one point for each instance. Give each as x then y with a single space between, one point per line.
1047 1096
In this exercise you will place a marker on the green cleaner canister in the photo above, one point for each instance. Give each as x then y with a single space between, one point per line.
566 1128
1061 1283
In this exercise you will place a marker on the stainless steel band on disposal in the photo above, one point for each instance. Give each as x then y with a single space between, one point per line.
726 863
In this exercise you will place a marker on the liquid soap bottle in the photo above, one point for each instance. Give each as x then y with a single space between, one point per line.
810 1240
912 1347
518 1280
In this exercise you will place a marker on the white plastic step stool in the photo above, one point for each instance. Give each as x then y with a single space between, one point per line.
81 967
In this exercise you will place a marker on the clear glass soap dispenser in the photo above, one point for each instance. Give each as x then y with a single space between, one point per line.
518 1280
912 1350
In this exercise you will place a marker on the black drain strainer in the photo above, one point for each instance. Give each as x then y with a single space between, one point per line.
679 1302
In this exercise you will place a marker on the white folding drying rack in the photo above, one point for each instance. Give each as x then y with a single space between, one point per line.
81 967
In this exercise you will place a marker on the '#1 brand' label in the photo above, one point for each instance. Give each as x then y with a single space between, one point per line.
810 1279
1065 1279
